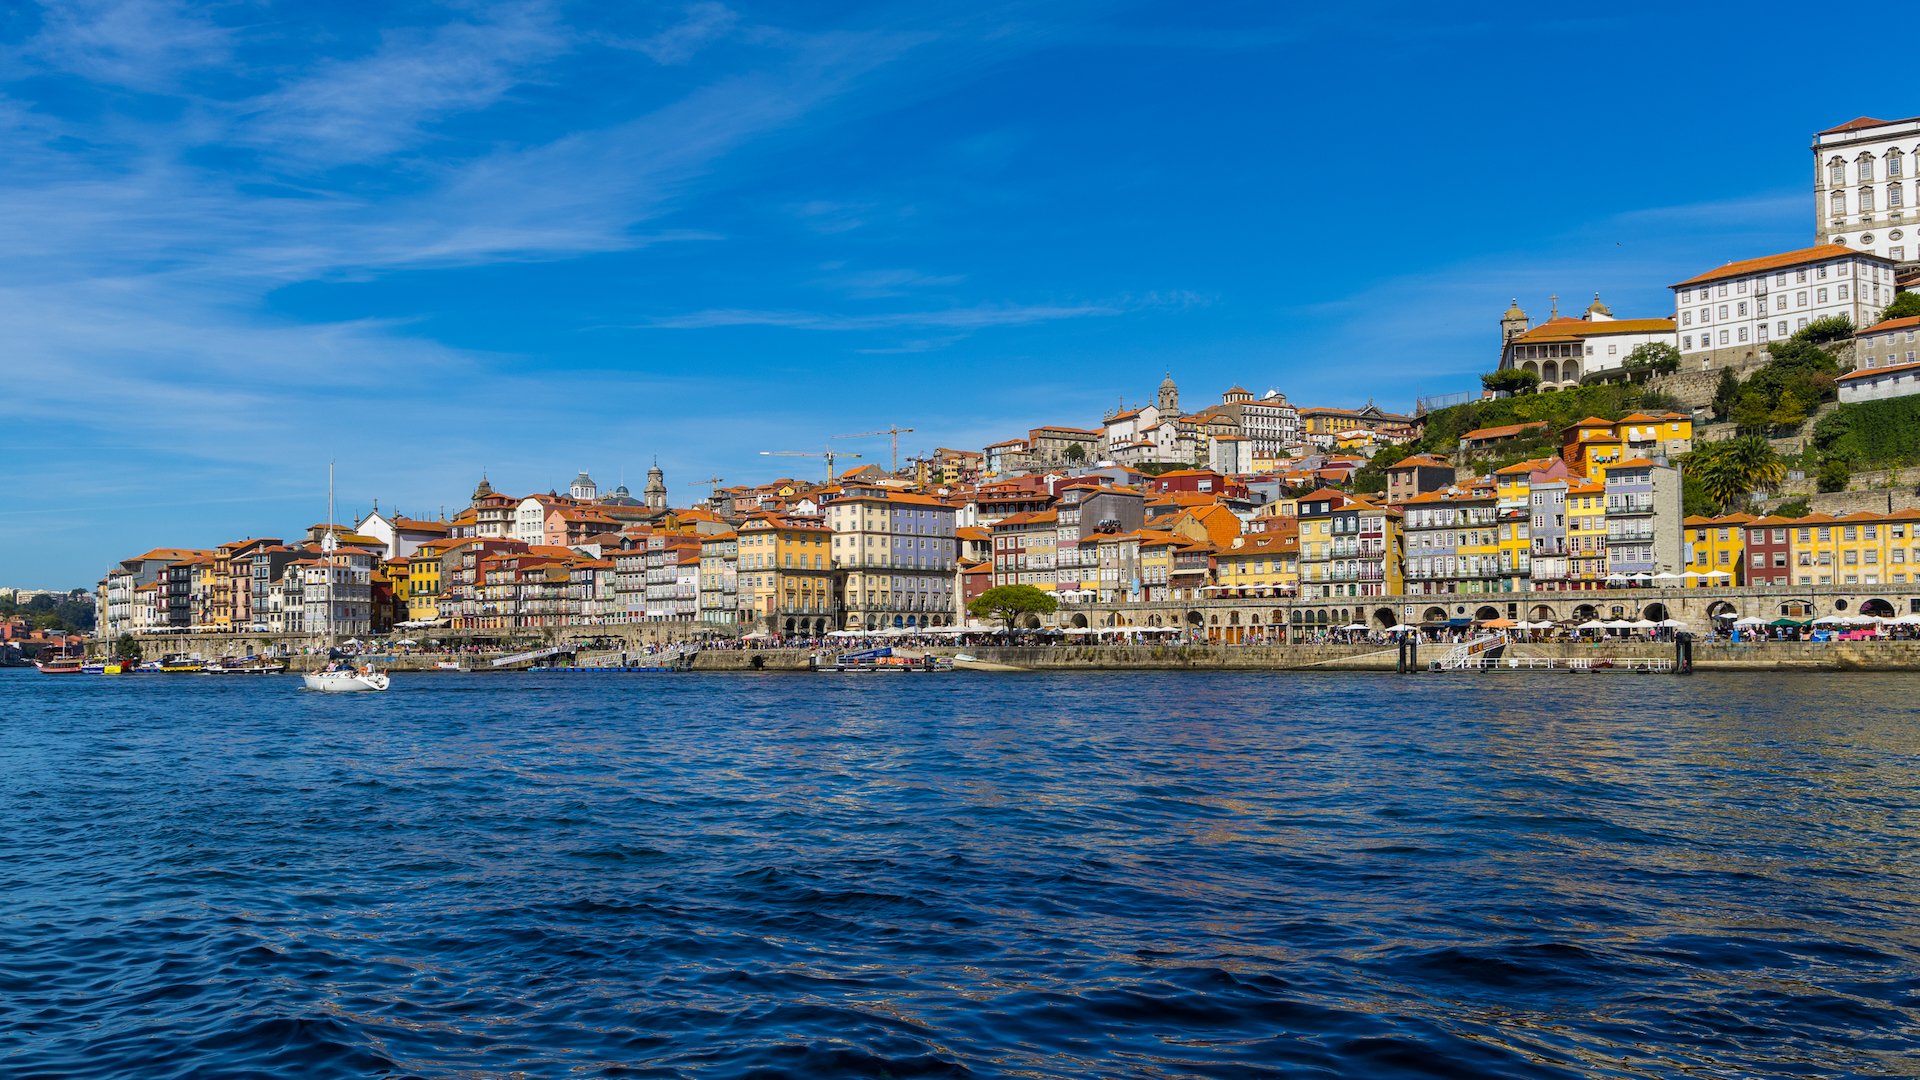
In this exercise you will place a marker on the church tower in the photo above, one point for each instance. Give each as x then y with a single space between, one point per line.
584 488
1169 400
655 493
1513 323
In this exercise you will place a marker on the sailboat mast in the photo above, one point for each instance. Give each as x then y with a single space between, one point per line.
327 544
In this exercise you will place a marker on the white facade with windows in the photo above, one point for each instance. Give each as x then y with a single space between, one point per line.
1865 186
1887 362
1735 310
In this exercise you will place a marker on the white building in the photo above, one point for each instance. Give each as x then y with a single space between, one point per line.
1728 315
1864 186
1888 358
1563 350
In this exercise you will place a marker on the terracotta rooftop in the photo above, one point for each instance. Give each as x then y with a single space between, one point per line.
1803 257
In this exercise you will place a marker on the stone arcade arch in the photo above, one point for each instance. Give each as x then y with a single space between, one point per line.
1655 612
1877 607
1434 614
1485 613
1079 621
1385 617
1585 613
1541 613
1722 607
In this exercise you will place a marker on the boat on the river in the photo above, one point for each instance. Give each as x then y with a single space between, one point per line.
340 675
246 665
59 664
181 664
880 659
345 678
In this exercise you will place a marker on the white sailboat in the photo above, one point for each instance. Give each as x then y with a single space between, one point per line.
339 677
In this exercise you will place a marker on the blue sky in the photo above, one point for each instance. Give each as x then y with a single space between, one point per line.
240 239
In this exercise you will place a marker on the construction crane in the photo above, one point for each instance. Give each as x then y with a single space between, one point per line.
895 432
828 454
712 484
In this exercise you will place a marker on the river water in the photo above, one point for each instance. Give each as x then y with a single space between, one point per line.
1103 875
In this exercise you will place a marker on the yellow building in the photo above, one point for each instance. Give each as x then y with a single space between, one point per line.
1259 564
1586 533
785 574
424 582
1513 492
1716 546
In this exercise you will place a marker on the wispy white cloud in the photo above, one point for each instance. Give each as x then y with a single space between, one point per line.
370 106
700 25
967 318
141 44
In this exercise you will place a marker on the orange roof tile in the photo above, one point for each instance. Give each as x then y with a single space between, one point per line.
1568 328
1802 257
1867 373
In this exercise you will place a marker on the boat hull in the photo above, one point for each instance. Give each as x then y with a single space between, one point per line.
344 682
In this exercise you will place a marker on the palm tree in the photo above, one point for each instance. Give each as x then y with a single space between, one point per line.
1729 472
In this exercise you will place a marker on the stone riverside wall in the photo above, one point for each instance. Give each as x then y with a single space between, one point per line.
1832 656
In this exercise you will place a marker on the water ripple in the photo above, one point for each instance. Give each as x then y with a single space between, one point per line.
1142 875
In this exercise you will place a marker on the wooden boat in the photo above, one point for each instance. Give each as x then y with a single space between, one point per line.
881 659
58 664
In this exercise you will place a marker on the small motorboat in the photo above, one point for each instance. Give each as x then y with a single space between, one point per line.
345 679
59 664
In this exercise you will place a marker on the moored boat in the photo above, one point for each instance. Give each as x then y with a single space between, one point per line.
344 679
58 664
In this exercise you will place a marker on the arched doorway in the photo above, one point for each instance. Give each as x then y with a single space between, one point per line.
1079 621
1722 609
1385 617
1434 614
1655 613
1585 613
1878 608
1486 613
1542 613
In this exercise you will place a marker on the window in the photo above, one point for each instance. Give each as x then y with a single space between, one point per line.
1896 165
1820 296
1864 167
1843 292
1866 200
1837 205
1800 298
1723 337
1894 198
1836 171
1686 342
1742 311
1723 311
1686 318
1782 328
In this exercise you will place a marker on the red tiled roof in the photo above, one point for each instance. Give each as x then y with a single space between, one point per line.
1907 323
1867 373
1859 123
1804 256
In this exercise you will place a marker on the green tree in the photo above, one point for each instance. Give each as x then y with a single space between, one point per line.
1906 305
1076 453
1010 602
1821 331
1727 473
1652 358
1793 508
127 647
1725 393
1511 380
1835 474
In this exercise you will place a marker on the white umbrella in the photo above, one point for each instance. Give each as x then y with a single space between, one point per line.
1673 624
1593 624
1355 626
1832 620
1402 628
1718 574
1667 577
1692 575
1750 620
1617 624
406 641
1079 630
1645 624
1905 620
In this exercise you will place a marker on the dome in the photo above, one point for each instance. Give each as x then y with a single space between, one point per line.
1514 312
1167 383
1597 308
485 489
1237 390
583 478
